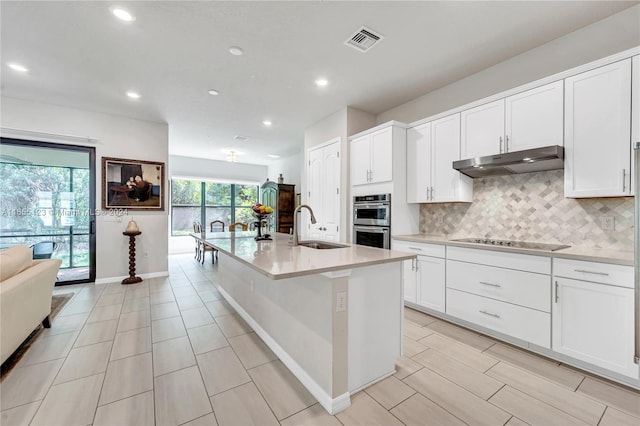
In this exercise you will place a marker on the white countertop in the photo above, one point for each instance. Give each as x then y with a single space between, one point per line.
618 257
278 259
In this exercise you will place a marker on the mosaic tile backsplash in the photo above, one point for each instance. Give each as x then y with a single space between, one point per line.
531 207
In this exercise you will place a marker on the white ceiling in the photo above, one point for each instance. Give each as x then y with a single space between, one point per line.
79 55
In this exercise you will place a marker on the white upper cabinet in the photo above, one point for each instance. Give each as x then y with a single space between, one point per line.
534 118
360 165
419 163
431 150
483 130
372 157
598 132
447 184
635 110
530 119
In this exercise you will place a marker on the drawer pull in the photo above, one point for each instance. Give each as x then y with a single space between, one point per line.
415 248
490 284
592 272
490 314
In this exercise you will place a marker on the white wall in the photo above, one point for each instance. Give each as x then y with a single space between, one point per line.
612 35
291 169
119 137
210 170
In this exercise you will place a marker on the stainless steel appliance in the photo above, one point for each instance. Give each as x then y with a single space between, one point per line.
372 220
526 161
636 257
515 244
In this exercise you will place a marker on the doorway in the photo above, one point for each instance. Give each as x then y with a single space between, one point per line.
48 203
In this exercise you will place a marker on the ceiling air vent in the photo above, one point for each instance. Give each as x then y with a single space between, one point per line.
364 39
240 138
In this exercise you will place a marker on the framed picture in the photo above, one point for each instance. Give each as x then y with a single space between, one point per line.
132 184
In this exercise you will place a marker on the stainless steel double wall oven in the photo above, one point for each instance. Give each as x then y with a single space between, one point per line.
372 220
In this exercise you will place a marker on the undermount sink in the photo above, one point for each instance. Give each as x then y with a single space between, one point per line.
321 245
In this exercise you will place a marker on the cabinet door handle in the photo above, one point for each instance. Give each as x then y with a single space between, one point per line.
624 180
500 144
489 313
490 284
415 248
413 264
431 193
592 272
416 265
557 292
506 143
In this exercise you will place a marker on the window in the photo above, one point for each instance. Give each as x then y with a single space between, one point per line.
208 201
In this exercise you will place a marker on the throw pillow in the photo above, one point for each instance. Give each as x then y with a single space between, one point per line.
14 260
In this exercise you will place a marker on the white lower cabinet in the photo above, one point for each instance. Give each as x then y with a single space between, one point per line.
424 277
523 323
593 321
409 278
431 282
583 312
515 302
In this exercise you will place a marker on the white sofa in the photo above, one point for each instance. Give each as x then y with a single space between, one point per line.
26 287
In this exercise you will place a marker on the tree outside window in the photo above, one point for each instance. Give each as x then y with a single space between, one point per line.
209 201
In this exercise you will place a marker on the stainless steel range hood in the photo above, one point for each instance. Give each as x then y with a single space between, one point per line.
527 161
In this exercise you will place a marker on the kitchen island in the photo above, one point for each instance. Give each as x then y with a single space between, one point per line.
332 316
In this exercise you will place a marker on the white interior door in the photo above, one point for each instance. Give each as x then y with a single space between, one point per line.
315 193
331 192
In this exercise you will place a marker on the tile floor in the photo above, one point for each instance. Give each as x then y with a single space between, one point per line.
173 352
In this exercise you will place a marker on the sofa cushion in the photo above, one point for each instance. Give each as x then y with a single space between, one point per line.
14 260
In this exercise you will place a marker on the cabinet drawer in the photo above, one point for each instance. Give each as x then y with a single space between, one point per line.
424 249
518 287
522 262
523 323
604 273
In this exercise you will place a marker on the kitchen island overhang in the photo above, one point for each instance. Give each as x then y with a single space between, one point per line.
333 317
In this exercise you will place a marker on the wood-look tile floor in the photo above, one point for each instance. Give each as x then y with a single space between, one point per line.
173 352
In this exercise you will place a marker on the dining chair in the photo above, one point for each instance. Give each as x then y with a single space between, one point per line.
216 222
244 226
197 229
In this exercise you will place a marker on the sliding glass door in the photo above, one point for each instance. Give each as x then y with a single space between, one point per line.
47 201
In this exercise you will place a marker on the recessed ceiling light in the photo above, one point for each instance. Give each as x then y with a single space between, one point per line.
133 95
267 123
122 14
235 50
321 82
18 67
273 156
214 92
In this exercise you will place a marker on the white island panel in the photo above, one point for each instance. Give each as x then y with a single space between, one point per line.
335 322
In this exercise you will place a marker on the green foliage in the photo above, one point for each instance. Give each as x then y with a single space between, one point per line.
185 192
220 204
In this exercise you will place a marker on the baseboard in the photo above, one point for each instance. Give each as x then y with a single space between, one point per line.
109 280
332 405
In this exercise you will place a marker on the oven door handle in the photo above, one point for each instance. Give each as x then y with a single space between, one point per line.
376 229
370 205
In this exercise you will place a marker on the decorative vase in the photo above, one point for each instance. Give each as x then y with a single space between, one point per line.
132 226
260 218
280 178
